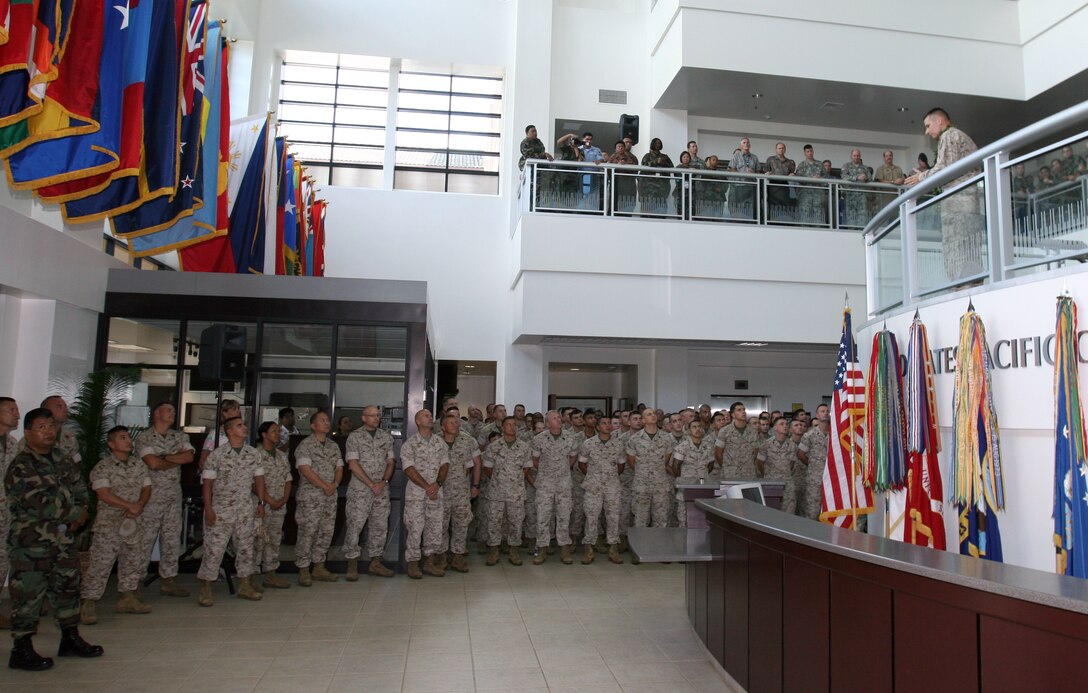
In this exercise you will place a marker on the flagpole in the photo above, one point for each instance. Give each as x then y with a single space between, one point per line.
853 447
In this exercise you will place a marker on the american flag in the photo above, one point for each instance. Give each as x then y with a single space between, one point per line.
844 495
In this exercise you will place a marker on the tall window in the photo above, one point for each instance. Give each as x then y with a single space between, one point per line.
333 112
448 125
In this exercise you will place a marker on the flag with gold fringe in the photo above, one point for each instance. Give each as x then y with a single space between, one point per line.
925 494
977 484
1070 466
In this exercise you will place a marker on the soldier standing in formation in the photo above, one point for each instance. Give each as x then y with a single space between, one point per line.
231 511
812 452
425 460
736 445
649 452
123 486
692 461
553 457
855 201
164 449
48 502
9 447
601 461
277 491
508 461
462 485
320 469
369 452
774 459
811 199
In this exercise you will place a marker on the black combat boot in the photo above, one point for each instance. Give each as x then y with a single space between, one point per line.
23 656
72 644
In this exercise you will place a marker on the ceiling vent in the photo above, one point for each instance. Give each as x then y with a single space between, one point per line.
831 106
612 96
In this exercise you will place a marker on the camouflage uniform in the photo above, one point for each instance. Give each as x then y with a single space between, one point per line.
315 512
161 518
423 516
811 199
779 204
482 516
742 195
627 482
855 203
362 507
277 472
1023 187
738 451
708 196
799 488
126 480
602 487
577 493
10 450
694 462
45 495
777 458
553 487
814 444
652 489
653 191
962 223
528 524
457 493
506 493
232 473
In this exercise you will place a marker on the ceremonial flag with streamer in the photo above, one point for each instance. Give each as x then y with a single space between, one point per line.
978 487
885 428
290 220
925 493
844 495
319 237
1070 465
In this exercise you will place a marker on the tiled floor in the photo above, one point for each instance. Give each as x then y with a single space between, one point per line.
553 627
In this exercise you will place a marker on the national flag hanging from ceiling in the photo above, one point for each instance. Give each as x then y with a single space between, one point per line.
319 207
1070 463
246 192
290 219
925 492
845 497
280 203
36 31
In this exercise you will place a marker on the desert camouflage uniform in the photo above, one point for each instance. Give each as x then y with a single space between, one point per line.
45 495
799 488
553 487
161 518
577 493
10 450
232 473
694 462
481 515
962 223
738 451
529 522
814 444
457 493
778 191
315 512
126 480
855 201
362 507
778 458
651 491
506 493
742 195
602 487
423 516
277 472
811 199
627 478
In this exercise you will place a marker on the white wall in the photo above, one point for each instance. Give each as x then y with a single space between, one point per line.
1053 34
1023 399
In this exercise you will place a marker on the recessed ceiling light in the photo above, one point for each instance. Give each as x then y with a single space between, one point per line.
902 109
752 344
470 366
757 95
576 369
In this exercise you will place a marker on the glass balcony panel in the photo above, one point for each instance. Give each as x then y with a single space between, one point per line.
724 198
859 203
578 189
660 195
951 239
887 256
1050 221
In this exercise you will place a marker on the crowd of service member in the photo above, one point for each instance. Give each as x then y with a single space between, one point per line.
1065 168
712 197
540 482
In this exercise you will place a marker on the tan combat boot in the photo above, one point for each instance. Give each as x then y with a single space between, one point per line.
430 567
440 561
588 556
492 555
376 568
541 556
304 579
322 573
564 554
526 542
481 547
87 615
459 564
167 588
275 581
515 557
130 603
353 570
614 553
247 591
413 570
601 547
205 598
255 583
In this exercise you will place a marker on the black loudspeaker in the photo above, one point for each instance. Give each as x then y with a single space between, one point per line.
629 127
222 352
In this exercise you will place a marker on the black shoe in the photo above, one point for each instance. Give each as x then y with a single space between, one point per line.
72 644
24 657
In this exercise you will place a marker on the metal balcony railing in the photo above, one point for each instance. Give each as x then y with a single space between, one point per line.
993 227
680 194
